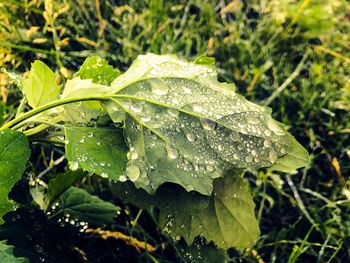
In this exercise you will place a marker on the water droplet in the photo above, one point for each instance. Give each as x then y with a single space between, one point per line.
252 119
186 90
272 156
133 172
234 136
267 143
132 155
209 168
275 127
104 175
171 151
190 137
146 118
122 178
197 108
267 132
74 166
173 112
136 108
159 87
248 158
208 124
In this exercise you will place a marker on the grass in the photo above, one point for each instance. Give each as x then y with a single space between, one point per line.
292 56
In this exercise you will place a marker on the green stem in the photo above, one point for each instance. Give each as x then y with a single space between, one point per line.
51 105
21 106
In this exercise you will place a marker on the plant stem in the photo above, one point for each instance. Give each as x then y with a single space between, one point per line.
51 105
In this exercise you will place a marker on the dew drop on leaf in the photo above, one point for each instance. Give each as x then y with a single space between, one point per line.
136 108
122 178
267 143
267 132
208 124
190 137
272 156
172 152
104 175
146 118
133 172
74 166
158 87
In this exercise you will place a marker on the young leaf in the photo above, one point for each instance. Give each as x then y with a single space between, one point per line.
14 154
81 205
83 112
6 254
185 127
96 150
40 86
97 69
58 185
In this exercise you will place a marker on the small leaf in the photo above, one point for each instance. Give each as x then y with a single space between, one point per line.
97 69
96 150
58 185
83 112
88 208
185 127
14 154
40 86
204 60
6 254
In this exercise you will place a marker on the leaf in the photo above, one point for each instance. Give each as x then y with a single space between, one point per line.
297 157
58 185
185 127
40 86
97 69
14 154
79 204
83 112
45 196
204 60
200 252
229 220
6 254
227 217
96 150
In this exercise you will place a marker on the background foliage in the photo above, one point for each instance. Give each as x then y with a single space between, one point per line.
291 55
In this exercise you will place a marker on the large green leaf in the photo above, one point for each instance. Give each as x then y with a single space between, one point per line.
6 254
227 217
185 127
96 150
76 203
40 86
97 69
14 154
